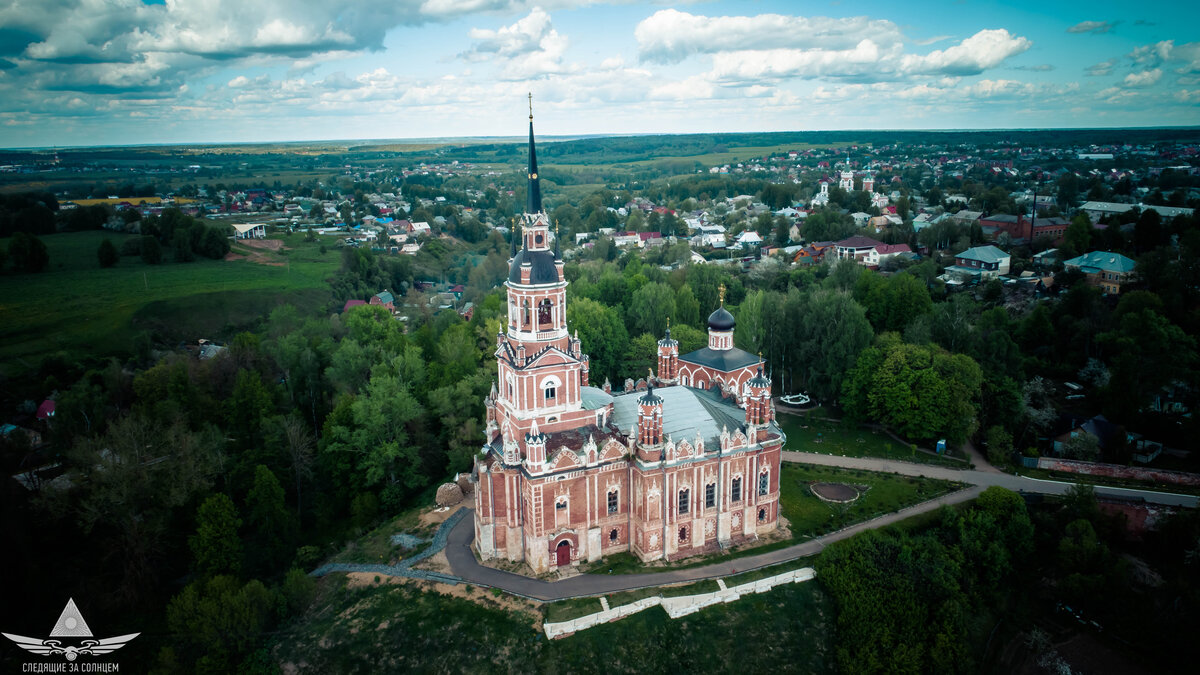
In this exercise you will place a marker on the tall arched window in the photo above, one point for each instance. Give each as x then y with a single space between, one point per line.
764 482
525 321
735 491
544 314
684 502
550 387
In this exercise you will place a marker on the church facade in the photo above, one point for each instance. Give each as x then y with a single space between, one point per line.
570 472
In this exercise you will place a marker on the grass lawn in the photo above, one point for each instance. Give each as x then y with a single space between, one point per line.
395 628
809 516
807 433
78 308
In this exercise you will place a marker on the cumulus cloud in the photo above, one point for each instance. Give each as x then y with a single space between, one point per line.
1095 27
752 50
1145 78
531 47
670 36
983 50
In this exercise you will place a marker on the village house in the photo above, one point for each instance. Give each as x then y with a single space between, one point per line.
1103 269
855 248
980 262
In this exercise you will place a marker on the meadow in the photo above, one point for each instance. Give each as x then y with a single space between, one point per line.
808 432
76 309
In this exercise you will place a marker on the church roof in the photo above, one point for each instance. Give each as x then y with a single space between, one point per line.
724 360
594 398
686 412
544 271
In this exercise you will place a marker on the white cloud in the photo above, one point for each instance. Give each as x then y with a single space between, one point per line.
670 36
983 50
1145 78
867 61
529 48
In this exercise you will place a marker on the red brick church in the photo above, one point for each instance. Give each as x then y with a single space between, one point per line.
571 473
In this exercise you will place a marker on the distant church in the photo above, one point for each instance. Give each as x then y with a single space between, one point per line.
686 463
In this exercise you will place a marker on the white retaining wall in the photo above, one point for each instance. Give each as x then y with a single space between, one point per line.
681 605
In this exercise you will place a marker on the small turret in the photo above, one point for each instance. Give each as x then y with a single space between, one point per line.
650 419
668 357
758 399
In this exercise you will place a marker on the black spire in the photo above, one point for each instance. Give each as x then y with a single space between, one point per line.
533 203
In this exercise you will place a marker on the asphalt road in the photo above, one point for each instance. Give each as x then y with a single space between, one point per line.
463 563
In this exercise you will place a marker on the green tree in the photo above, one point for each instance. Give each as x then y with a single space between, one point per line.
687 307
922 391
107 253
829 339
603 337
270 525
27 253
1079 233
377 443
999 445
216 548
639 359
218 621
151 250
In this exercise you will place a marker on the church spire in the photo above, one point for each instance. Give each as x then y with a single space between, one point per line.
533 203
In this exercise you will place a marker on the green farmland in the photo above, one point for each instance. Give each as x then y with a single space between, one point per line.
77 308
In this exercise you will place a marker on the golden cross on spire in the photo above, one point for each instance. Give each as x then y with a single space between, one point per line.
531 106
668 323
721 291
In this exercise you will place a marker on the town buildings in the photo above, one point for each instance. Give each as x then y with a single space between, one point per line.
682 464
1103 269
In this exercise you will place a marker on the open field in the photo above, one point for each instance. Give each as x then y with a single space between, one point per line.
806 432
79 308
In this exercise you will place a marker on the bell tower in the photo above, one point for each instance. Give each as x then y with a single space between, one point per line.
541 367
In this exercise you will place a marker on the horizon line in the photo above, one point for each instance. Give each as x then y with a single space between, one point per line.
416 140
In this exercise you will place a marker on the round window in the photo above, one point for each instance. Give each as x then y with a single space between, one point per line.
538 239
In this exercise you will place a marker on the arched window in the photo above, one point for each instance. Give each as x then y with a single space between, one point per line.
735 491
764 482
710 495
684 502
544 318
613 535
683 535
550 387
525 305
613 501
762 515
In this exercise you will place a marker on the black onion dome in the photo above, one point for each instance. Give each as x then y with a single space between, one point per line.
759 380
649 398
544 270
667 341
721 320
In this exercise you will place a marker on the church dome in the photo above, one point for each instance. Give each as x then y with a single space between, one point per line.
760 381
721 320
543 269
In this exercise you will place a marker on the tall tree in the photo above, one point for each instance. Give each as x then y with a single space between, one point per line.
216 548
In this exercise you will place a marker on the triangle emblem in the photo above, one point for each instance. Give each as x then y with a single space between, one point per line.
70 623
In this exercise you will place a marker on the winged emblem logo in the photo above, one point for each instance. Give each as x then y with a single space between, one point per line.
71 624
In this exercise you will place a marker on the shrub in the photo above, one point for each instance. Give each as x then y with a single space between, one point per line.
107 253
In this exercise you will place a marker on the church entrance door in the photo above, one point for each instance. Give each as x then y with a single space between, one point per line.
563 554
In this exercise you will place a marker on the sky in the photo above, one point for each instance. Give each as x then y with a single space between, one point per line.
124 72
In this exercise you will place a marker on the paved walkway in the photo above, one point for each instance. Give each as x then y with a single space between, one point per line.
984 478
462 560
404 568
456 533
